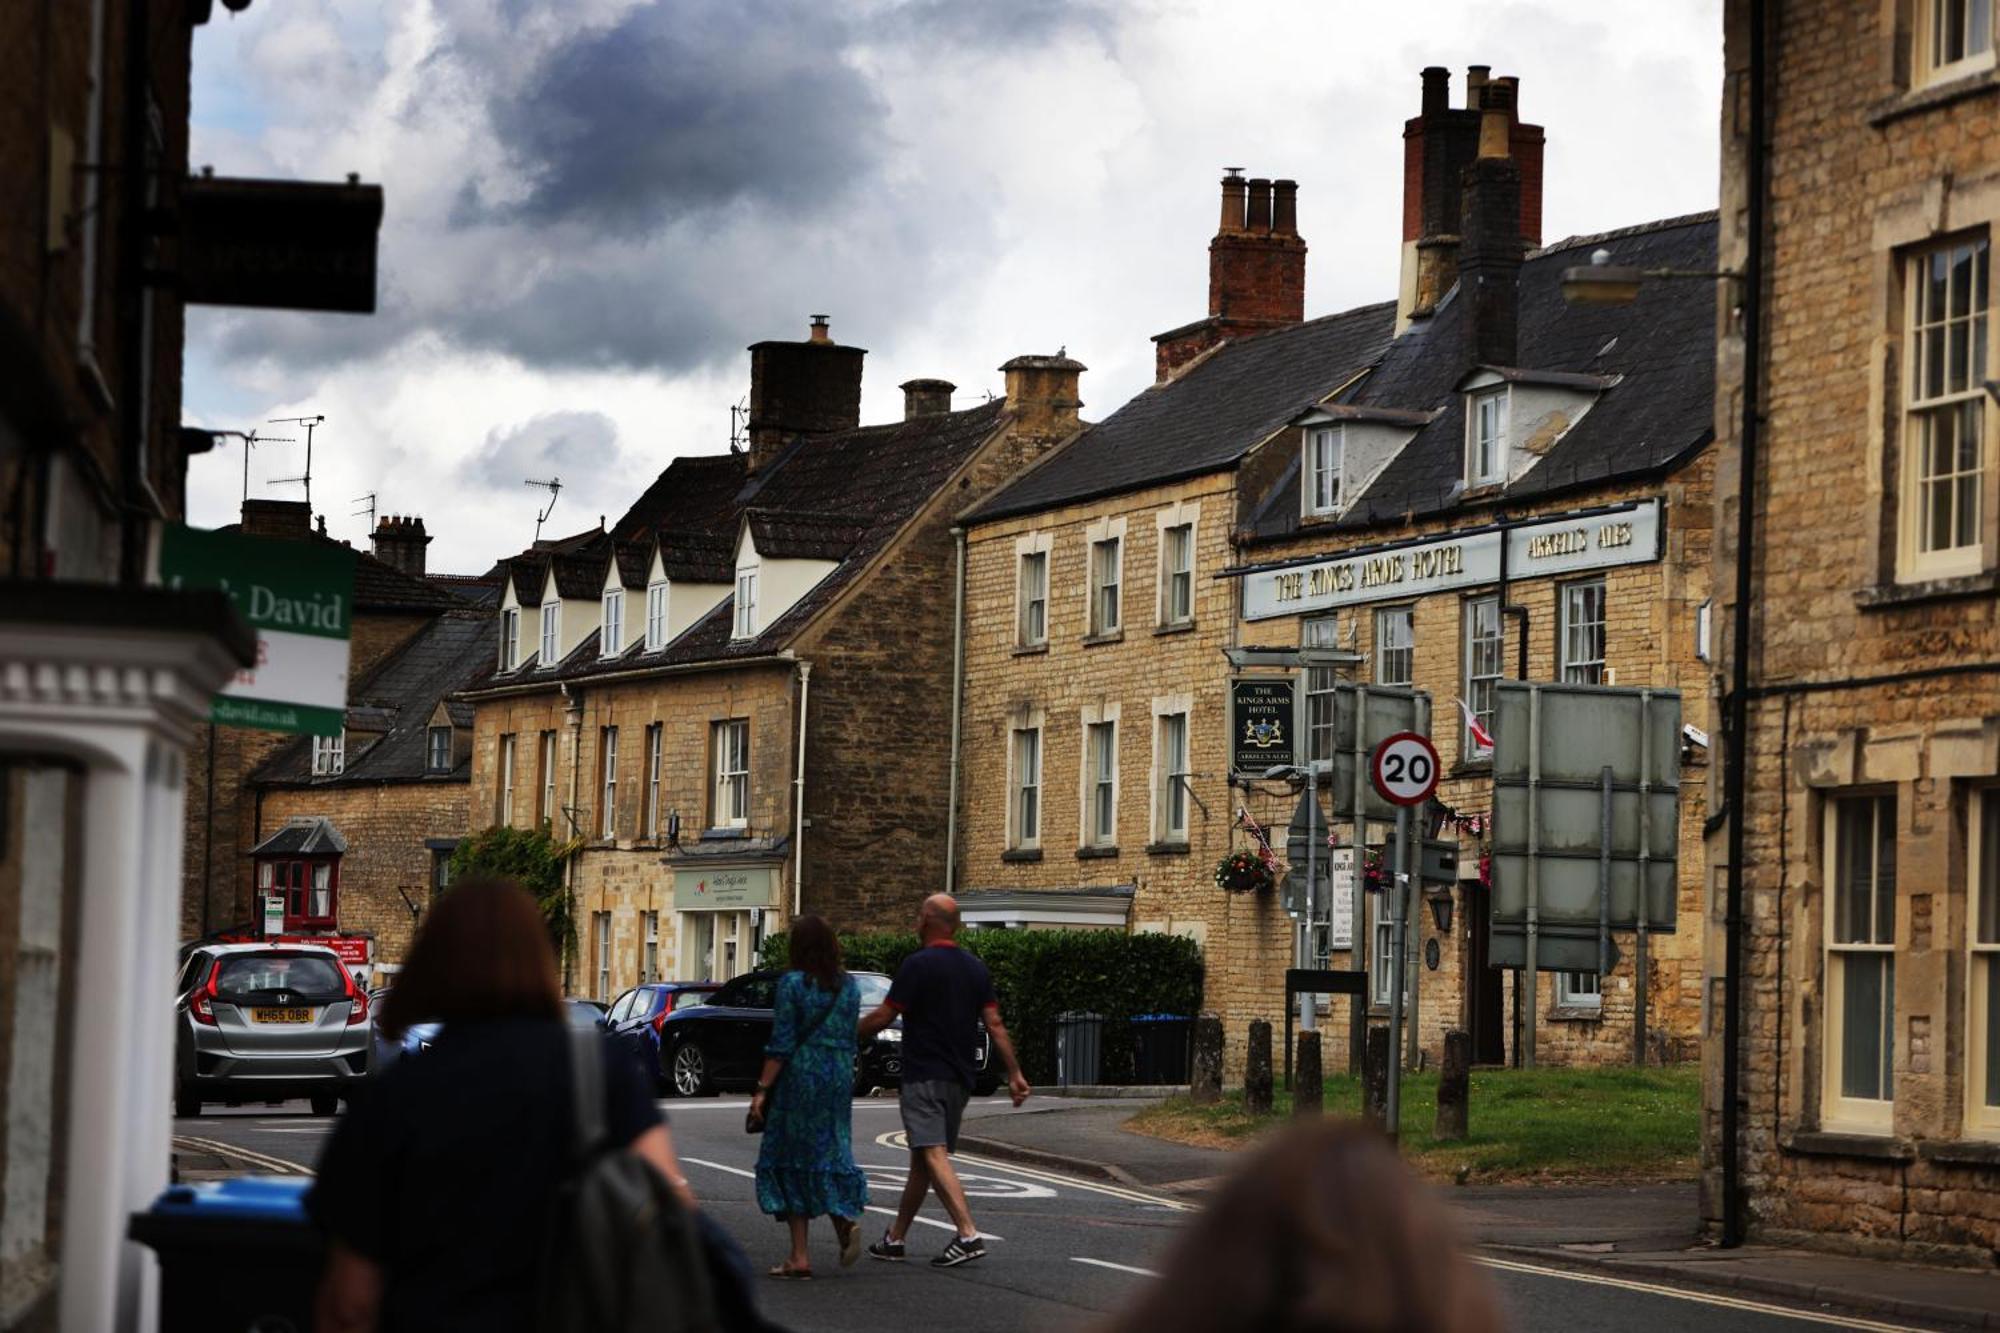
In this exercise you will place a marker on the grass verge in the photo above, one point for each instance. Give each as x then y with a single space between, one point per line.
1526 1124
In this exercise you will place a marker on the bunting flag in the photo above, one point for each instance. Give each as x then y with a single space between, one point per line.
1245 821
1478 740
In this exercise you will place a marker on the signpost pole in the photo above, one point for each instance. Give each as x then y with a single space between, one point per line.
1400 922
1413 973
1603 874
1362 938
1308 1002
1639 965
1530 975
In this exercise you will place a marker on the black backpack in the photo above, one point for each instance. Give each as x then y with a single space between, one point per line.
622 1252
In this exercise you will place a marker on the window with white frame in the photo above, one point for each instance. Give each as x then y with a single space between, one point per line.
510 638
600 947
1025 807
1101 786
1173 769
1583 633
1322 470
1579 990
1034 599
1381 947
503 808
1954 38
613 637
650 968
1177 574
1322 684
1485 436
1944 421
746 604
607 760
551 631
329 754
437 758
730 744
1982 937
1395 646
545 811
1861 961
1106 569
655 743
1484 651
656 616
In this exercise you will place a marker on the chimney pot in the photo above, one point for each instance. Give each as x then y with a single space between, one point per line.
819 330
399 540
926 398
1437 90
1284 208
1259 216
1476 77
1233 186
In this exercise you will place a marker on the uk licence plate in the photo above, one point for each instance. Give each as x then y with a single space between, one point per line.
282 1015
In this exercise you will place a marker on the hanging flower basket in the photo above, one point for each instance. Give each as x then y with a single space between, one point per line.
1373 873
1243 872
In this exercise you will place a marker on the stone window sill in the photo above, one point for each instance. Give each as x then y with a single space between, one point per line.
1177 627
1096 853
1576 1014
724 834
1929 98
1963 1152
1019 854
1471 767
1882 596
1827 1143
1031 649
1166 849
1093 640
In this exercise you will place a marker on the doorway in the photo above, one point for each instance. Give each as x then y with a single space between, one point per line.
1485 1005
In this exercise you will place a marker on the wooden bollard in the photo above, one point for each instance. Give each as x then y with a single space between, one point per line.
1308 1091
1375 1078
1454 1079
1206 1087
1257 1070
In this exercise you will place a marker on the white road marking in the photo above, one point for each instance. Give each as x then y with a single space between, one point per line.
1683 1294
278 1164
1106 1263
886 1212
897 1139
976 1186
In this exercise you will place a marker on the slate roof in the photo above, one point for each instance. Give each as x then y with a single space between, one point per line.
380 586
580 576
1208 417
1657 356
398 697
848 491
803 536
694 494
303 835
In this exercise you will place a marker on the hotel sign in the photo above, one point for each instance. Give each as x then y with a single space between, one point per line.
721 889
1599 540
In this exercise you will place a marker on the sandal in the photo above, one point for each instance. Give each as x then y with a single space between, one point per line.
849 1234
790 1274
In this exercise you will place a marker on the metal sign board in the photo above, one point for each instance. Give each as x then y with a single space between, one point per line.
1262 714
286 245
1553 744
1363 717
299 597
1340 926
1405 769
724 889
1305 829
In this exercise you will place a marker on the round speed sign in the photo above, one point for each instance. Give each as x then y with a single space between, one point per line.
1406 769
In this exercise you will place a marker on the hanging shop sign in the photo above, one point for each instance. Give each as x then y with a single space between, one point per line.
1627 535
286 245
299 598
724 889
1262 714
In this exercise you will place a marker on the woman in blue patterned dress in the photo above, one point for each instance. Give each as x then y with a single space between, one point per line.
805 1097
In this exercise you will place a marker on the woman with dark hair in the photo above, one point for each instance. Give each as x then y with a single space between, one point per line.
805 1099
434 1190
1324 1230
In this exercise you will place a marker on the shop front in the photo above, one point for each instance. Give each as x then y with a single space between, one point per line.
722 913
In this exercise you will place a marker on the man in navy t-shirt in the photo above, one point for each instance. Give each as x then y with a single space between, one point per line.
942 994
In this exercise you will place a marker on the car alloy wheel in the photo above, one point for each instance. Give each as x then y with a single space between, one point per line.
690 1070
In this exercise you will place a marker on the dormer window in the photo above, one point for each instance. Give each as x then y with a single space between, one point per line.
1486 437
551 631
510 638
1322 470
329 755
656 616
613 638
438 756
746 604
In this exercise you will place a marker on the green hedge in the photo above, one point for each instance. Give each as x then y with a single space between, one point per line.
1039 974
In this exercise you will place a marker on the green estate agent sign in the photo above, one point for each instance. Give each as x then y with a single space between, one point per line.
299 597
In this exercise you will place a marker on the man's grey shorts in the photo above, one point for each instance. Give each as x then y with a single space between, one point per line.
931 1112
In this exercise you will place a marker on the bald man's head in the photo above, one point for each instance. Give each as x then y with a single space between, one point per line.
938 917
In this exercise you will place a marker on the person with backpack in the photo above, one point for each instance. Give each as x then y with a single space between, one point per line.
452 1194
804 1104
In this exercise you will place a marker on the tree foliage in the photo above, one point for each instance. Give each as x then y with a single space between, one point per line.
531 858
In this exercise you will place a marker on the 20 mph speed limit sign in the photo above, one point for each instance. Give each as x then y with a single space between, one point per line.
1406 769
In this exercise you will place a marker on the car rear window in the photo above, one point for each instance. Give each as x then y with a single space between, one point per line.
874 990
303 974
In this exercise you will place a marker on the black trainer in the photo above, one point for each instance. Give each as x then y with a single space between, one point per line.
960 1251
889 1251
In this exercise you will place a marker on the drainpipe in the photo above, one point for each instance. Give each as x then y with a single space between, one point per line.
799 796
573 719
957 700
1735 786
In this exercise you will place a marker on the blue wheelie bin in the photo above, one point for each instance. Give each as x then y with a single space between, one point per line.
234 1255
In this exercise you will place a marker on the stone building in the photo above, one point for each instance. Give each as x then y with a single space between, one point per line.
1860 195
1104 586
737 699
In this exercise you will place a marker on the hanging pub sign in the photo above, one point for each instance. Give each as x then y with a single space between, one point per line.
285 245
1263 711
299 598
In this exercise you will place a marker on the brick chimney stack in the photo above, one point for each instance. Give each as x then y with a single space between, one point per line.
290 519
1042 393
1491 248
400 541
1438 145
926 398
1256 270
801 388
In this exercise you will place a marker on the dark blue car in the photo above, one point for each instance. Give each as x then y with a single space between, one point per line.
635 1018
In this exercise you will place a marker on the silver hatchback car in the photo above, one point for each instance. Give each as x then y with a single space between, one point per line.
260 1022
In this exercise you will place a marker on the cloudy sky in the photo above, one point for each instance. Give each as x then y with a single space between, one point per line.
594 207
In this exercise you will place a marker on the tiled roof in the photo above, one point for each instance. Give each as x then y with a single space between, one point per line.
395 702
303 835
580 576
780 535
635 562
1208 417
1652 364
694 494
380 586
698 557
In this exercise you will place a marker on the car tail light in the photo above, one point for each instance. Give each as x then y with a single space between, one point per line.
201 1004
660 1019
357 1000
